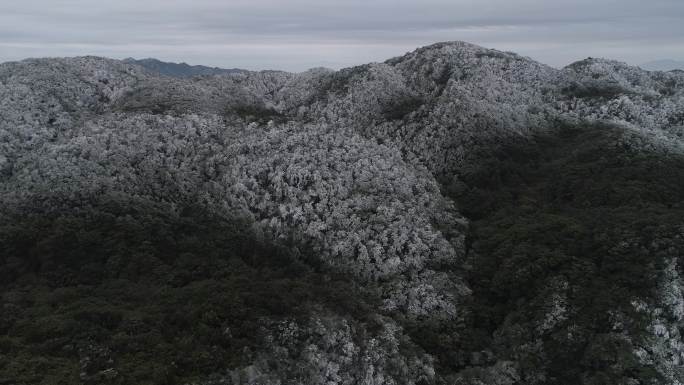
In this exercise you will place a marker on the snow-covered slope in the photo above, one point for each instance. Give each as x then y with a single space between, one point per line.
349 165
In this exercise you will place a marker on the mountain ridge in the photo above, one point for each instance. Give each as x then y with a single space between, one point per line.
663 65
181 69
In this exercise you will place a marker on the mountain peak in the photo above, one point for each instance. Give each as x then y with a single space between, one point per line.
464 49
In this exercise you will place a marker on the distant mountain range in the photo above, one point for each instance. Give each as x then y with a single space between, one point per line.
663 65
181 70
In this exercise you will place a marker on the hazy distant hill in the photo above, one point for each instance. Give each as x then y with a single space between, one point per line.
181 70
663 65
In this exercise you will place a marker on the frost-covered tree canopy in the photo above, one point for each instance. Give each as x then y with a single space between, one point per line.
456 215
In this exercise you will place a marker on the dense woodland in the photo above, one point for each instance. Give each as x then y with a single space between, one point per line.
453 216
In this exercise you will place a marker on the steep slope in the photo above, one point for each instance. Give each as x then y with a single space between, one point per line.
442 102
309 228
575 245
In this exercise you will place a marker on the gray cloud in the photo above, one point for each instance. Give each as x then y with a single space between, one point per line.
299 34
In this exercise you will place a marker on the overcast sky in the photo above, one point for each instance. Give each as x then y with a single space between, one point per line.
299 34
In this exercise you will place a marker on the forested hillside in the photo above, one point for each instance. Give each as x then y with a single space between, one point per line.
456 215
